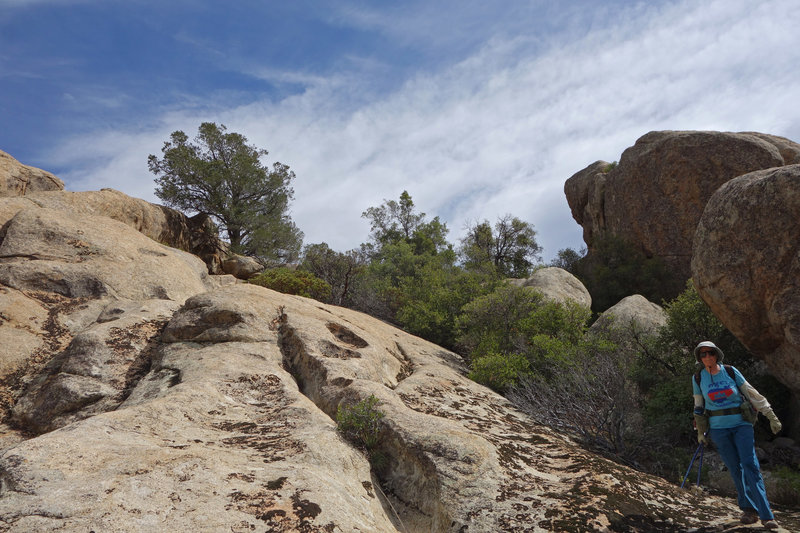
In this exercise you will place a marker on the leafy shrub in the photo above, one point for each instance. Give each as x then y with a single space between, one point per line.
431 300
499 372
787 487
342 271
492 323
290 281
667 411
520 320
360 423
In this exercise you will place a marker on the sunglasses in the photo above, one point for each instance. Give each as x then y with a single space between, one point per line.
706 353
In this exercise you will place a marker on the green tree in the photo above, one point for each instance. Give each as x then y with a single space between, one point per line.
342 271
413 278
393 220
431 298
222 176
568 258
509 249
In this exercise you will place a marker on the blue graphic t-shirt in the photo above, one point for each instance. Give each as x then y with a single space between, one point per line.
721 392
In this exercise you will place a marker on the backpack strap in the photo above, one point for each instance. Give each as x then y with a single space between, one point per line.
729 370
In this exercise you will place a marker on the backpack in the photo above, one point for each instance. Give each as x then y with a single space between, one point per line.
748 411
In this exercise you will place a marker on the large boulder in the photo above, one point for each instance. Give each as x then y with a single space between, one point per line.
635 314
654 197
197 235
241 267
61 276
93 257
790 150
17 179
746 265
558 285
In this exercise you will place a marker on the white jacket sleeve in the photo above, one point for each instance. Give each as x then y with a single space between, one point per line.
698 400
756 399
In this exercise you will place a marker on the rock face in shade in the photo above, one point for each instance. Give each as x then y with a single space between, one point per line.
17 179
746 265
655 195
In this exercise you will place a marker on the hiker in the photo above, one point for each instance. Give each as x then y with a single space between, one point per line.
722 411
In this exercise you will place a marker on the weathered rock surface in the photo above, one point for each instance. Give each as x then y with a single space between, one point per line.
557 284
636 312
17 179
790 150
99 367
48 249
655 195
241 267
746 265
585 191
63 278
197 234
236 433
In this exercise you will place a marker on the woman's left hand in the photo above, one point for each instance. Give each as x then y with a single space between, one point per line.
774 424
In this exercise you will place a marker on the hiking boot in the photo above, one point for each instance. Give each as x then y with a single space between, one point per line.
770 524
749 516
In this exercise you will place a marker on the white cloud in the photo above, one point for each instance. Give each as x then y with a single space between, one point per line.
502 130
26 3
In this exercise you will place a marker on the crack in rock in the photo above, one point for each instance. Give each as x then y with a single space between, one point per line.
408 475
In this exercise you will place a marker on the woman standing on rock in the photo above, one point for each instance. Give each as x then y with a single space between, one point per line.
722 400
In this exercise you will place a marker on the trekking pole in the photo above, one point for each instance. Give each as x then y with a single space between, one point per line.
700 464
699 448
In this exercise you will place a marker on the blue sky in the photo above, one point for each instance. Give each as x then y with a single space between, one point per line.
477 108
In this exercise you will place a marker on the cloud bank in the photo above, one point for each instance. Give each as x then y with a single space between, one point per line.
497 131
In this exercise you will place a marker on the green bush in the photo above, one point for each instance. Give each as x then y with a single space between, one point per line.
499 372
360 423
430 301
520 321
787 487
668 411
493 323
290 281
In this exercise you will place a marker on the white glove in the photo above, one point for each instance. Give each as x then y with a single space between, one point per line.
774 424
